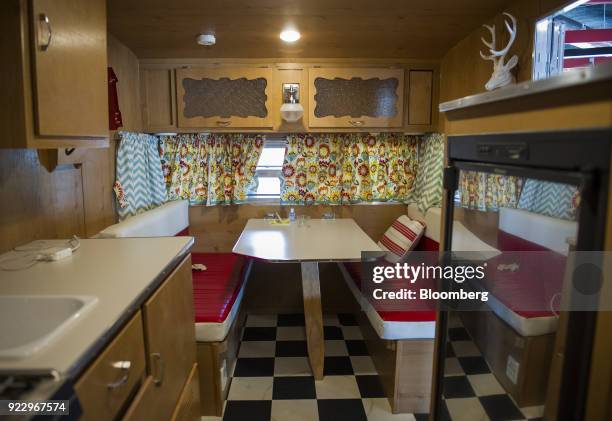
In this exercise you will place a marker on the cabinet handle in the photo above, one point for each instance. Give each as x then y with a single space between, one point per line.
44 21
159 378
223 123
356 123
124 366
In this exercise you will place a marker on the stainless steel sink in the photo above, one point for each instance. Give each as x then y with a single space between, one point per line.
29 323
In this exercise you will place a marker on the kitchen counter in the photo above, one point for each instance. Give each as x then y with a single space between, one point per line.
120 273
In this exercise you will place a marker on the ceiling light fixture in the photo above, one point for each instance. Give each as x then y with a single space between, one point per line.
206 39
290 35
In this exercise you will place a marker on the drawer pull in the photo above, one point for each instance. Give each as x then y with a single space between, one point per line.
124 366
159 378
223 123
356 123
44 21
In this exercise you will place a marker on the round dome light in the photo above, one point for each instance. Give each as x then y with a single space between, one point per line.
206 39
290 35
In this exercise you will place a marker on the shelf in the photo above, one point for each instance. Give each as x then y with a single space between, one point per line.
569 79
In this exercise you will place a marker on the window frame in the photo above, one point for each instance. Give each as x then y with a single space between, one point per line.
269 172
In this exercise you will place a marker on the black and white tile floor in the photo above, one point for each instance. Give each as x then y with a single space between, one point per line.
471 391
272 379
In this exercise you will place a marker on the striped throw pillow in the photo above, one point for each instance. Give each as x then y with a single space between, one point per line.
401 237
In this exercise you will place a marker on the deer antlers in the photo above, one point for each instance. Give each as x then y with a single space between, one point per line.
511 27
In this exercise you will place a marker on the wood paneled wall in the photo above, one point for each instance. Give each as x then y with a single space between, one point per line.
217 228
72 199
463 72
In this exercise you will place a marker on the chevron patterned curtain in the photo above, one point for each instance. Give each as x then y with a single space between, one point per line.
427 191
488 192
552 199
140 182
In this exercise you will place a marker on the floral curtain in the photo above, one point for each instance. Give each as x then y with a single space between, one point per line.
483 191
341 168
231 170
210 169
140 184
312 170
378 168
184 159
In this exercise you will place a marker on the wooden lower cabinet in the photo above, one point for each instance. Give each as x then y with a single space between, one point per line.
161 337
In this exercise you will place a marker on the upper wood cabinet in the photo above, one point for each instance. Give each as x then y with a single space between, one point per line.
54 81
158 99
420 97
224 97
352 97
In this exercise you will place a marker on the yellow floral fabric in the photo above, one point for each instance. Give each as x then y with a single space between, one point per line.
483 191
336 168
232 163
379 168
312 170
185 166
210 169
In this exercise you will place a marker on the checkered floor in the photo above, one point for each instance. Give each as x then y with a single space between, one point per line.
272 379
471 391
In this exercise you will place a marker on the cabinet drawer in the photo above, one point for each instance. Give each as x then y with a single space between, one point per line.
107 384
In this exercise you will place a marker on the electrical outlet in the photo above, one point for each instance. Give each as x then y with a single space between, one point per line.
512 369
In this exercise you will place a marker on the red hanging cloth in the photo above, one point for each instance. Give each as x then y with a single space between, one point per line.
114 113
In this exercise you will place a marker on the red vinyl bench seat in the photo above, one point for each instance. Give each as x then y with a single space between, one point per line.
217 293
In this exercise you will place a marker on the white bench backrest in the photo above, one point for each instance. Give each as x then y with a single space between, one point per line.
166 220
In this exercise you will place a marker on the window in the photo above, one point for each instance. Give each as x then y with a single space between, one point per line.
268 172
578 35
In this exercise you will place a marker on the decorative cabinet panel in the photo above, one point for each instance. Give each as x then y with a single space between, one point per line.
356 97
53 94
224 97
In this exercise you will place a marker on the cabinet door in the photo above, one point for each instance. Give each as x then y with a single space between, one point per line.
170 338
69 68
356 97
420 89
188 407
158 98
224 97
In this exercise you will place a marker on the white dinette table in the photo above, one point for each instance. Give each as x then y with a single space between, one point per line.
307 243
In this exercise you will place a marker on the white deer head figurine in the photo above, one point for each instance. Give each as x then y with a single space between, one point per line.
501 71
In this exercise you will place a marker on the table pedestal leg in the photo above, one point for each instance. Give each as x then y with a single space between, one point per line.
314 317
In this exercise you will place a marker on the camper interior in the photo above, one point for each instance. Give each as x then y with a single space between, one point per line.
306 210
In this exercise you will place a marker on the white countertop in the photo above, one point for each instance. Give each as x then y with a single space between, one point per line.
115 271
320 240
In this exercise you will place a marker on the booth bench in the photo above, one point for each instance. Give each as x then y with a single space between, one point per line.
217 291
